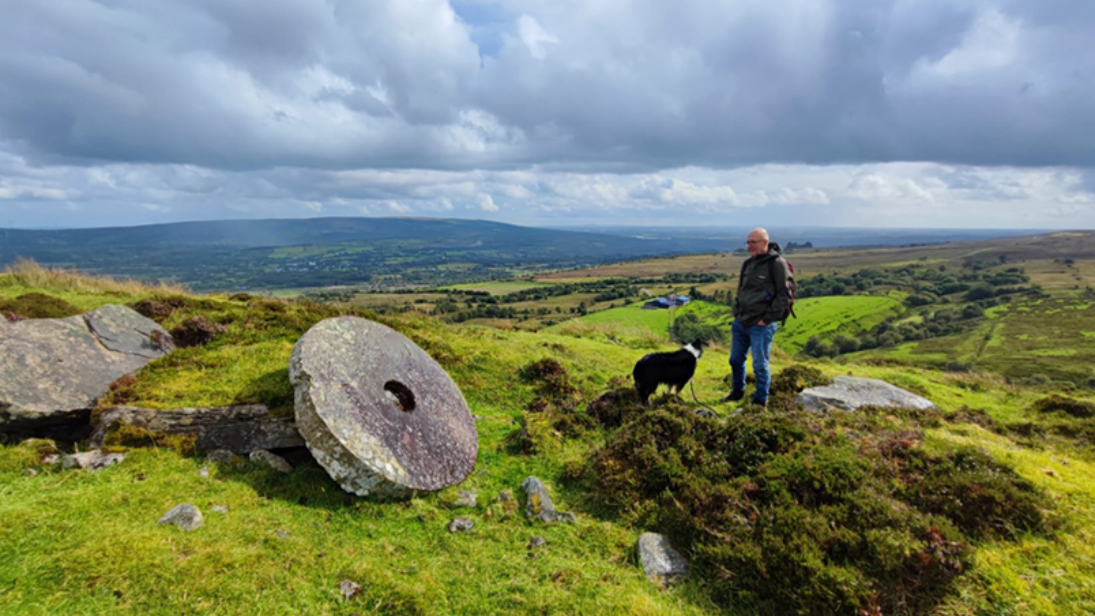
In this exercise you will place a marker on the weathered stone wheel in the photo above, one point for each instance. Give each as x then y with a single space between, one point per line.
379 413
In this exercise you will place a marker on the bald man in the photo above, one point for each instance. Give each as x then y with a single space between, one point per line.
762 301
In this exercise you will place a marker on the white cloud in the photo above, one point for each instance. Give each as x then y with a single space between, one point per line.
397 207
315 206
486 203
534 36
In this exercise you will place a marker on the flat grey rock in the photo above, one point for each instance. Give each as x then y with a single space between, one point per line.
185 516
348 589
378 413
239 429
661 563
94 460
274 461
54 370
847 393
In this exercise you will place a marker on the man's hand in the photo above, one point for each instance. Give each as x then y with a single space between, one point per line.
761 323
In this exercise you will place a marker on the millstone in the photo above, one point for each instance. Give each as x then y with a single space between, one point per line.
377 412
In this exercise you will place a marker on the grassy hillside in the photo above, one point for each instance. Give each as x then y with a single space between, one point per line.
80 543
825 317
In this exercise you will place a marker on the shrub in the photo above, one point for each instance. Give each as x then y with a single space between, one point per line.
37 306
805 513
196 331
957 366
1061 404
154 309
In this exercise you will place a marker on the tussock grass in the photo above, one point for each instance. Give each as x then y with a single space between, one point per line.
28 273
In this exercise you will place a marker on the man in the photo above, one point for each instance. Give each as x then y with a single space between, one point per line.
763 298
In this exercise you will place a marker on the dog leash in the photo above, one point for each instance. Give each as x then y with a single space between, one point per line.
702 407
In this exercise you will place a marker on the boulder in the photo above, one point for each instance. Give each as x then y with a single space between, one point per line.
56 369
847 393
377 412
465 498
238 429
661 563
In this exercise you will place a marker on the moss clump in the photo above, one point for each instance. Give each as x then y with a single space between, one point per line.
810 513
1062 404
37 306
124 436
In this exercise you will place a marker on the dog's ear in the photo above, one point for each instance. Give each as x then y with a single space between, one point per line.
699 343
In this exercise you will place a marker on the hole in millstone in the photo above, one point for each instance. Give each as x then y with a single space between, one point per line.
404 397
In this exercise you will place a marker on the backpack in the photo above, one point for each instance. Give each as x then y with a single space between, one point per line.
790 311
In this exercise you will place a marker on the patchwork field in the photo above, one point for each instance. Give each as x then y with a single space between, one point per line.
1048 339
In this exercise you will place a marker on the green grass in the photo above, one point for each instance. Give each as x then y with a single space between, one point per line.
1017 340
825 317
81 543
655 321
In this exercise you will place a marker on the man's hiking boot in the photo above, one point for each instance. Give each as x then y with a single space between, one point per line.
761 403
734 396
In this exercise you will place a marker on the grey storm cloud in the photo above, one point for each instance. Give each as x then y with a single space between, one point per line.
416 84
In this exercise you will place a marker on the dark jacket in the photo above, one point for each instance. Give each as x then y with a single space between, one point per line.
762 289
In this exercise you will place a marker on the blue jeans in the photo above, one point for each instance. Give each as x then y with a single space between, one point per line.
757 339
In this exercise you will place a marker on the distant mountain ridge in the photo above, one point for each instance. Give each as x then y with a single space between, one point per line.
279 253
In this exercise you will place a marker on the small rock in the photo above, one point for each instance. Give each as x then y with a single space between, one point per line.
185 516
661 563
30 472
51 459
348 589
465 498
272 460
539 505
204 471
477 417
537 542
281 534
223 456
460 524
705 413
220 508
505 496
94 460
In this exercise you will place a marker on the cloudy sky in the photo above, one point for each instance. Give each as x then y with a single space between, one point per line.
873 113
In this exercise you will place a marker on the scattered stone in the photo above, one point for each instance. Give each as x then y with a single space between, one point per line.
848 393
56 369
348 589
223 456
465 498
705 413
220 508
539 505
477 417
93 461
460 524
378 413
272 460
185 516
238 429
30 472
51 459
661 563
281 534
204 471
537 542
505 496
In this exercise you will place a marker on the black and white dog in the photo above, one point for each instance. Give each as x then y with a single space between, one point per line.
673 369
